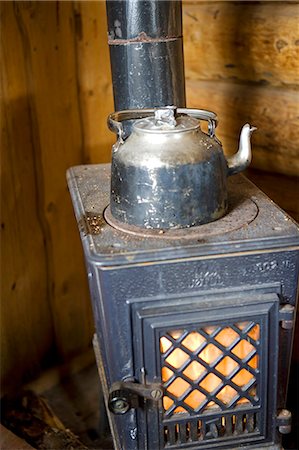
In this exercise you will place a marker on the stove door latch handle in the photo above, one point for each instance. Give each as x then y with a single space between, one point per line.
125 395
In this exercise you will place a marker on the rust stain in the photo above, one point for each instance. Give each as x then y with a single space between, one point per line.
92 223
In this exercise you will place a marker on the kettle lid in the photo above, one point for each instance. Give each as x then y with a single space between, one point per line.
165 120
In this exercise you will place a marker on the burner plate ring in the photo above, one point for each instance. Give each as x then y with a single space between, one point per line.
241 212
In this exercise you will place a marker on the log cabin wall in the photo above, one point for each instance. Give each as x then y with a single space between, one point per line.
241 61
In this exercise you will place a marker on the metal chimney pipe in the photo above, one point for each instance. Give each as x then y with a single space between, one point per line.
146 53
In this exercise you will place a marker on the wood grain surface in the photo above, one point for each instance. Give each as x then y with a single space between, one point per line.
46 310
273 111
27 324
242 41
94 78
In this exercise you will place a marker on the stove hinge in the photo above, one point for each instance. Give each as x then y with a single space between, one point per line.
287 316
124 395
284 421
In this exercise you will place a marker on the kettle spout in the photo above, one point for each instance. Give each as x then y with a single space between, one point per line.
241 160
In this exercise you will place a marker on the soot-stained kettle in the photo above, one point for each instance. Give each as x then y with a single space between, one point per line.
168 173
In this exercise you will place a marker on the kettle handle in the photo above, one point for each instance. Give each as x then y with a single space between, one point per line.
114 120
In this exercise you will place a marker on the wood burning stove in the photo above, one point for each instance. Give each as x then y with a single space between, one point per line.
193 326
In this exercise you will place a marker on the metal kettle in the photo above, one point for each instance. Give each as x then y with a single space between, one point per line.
168 173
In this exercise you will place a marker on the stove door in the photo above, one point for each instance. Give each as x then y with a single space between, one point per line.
216 358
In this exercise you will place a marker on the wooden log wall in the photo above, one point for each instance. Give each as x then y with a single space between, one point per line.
241 61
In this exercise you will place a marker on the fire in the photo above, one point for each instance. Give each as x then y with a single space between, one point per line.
212 355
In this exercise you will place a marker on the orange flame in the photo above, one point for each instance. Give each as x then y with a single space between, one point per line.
211 353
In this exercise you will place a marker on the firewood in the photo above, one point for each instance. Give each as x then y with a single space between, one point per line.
30 417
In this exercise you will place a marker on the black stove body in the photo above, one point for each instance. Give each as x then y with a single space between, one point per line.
193 327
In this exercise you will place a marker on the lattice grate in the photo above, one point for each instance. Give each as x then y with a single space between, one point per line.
211 367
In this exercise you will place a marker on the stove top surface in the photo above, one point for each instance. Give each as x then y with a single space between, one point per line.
253 223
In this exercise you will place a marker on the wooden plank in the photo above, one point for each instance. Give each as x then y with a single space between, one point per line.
47 30
94 78
45 301
9 441
273 111
247 41
26 318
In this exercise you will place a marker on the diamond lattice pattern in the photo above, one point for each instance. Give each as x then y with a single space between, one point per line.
211 367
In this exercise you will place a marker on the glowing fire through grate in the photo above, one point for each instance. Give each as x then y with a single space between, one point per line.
212 367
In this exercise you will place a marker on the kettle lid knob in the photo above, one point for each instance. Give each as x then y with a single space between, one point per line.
166 116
